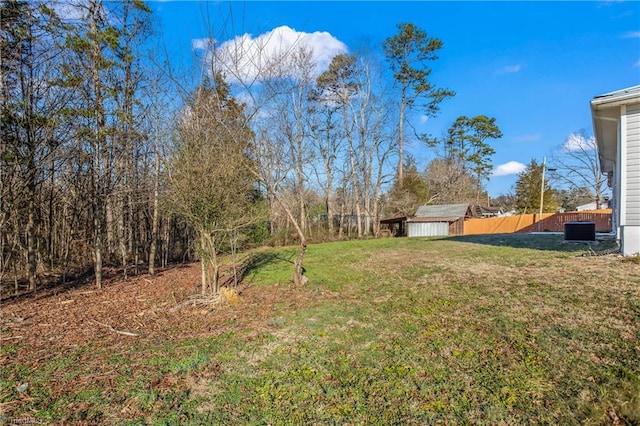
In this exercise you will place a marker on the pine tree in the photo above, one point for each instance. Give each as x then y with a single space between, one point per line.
408 53
528 187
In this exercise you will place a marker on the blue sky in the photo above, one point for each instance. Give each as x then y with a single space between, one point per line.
534 66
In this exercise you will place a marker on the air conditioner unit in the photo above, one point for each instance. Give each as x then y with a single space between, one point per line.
580 231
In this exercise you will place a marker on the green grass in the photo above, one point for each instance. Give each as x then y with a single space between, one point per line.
484 330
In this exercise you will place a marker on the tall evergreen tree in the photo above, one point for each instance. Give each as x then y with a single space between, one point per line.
408 54
529 187
466 144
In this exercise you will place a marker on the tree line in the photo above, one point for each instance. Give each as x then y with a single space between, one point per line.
108 161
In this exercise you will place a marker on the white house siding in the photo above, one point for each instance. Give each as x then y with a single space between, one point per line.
427 229
630 222
616 123
632 211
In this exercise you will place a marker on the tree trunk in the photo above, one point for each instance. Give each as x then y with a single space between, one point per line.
215 280
209 259
299 268
154 219
98 145
122 235
341 221
367 217
97 251
298 278
376 219
401 139
31 241
203 276
50 240
330 214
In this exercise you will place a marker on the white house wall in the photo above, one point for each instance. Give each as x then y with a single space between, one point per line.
630 220
616 124
632 215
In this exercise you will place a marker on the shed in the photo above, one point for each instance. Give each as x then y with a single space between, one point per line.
438 220
616 124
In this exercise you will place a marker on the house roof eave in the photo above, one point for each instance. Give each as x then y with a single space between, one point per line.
605 115
616 99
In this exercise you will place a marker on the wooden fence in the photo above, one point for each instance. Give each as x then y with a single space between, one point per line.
548 222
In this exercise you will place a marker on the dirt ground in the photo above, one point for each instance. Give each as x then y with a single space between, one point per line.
139 311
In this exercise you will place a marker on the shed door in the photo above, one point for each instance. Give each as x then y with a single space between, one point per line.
428 229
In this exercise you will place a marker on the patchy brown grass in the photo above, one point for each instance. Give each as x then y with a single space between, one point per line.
389 331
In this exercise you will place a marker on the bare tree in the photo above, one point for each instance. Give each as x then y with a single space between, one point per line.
275 86
272 168
576 166
371 119
31 107
340 85
159 121
327 141
132 19
78 179
91 44
448 182
351 88
290 115
281 154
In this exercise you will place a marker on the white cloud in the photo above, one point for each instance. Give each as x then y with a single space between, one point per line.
70 10
424 119
509 69
577 142
531 137
247 58
202 43
631 34
510 168
637 64
608 3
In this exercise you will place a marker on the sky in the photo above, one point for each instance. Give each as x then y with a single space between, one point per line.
534 66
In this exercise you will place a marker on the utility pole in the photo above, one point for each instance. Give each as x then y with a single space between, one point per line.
544 167
544 164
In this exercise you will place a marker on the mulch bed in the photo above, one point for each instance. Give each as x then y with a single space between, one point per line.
139 311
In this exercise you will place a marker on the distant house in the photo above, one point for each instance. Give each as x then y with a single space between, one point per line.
616 124
592 206
484 211
430 221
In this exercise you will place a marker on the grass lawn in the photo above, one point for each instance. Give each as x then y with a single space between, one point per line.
503 329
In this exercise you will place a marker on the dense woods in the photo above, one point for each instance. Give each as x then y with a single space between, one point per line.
77 158
112 164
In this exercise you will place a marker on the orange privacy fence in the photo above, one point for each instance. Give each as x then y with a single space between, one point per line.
553 222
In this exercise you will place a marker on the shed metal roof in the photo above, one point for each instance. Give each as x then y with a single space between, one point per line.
442 211
432 219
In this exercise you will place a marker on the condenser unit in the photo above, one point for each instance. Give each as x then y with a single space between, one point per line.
580 231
